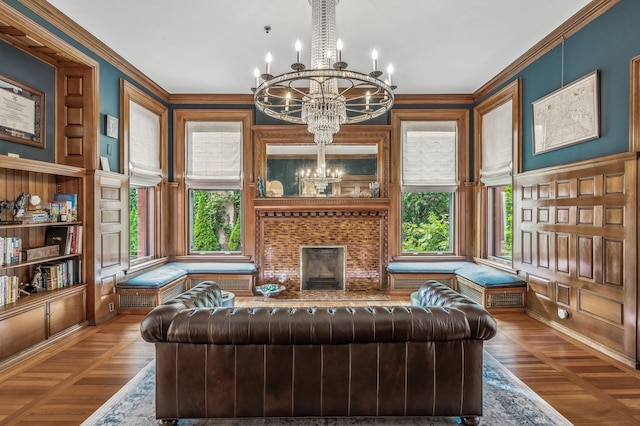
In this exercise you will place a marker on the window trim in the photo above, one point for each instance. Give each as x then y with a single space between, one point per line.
462 197
180 200
130 93
512 92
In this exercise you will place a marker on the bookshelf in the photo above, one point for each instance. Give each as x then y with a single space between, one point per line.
39 318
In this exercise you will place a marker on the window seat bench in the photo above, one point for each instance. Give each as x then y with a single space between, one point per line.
489 287
142 292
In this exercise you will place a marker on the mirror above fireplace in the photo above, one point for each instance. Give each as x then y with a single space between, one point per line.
287 160
342 170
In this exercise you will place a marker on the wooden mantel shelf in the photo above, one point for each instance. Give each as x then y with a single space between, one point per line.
310 204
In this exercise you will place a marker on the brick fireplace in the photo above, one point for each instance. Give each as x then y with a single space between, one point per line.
282 231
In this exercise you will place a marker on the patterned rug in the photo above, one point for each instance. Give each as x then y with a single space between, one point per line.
507 402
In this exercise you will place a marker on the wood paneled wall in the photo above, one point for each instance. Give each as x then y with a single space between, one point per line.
578 248
107 253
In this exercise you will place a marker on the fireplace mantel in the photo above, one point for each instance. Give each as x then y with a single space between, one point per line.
320 204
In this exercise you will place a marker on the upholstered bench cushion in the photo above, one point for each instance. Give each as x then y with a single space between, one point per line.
169 272
481 275
488 278
155 278
424 267
219 268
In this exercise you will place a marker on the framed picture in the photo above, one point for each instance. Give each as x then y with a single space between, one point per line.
21 113
104 164
567 116
111 126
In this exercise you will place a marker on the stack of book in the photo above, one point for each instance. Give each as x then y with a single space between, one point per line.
61 274
10 250
8 289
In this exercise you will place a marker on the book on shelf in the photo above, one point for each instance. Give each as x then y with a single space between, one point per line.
61 274
10 250
9 289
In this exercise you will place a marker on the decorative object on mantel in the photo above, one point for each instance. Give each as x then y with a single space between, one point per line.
261 190
326 95
374 189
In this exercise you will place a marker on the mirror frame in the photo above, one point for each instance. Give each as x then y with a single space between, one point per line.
356 135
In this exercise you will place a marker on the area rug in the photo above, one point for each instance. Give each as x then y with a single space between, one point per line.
507 402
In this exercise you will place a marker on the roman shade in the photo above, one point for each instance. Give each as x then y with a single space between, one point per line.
144 146
429 156
497 141
214 154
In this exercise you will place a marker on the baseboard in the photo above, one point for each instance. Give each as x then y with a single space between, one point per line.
620 357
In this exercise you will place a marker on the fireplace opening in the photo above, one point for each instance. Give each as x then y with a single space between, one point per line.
322 267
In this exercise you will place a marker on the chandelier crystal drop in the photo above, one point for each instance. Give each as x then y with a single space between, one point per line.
326 95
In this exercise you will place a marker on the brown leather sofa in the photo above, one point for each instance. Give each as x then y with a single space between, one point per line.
215 362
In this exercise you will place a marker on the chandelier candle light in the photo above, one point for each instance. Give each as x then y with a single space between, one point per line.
326 95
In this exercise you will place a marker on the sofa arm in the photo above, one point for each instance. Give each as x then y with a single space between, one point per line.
155 325
434 293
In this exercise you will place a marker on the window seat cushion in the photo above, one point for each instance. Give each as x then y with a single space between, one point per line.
169 272
481 275
219 268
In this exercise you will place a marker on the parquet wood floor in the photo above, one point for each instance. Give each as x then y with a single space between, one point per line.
65 383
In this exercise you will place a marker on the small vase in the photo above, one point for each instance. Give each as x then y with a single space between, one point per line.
374 189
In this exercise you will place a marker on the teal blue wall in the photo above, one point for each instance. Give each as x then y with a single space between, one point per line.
607 44
25 69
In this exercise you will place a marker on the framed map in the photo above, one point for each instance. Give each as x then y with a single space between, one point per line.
21 113
567 116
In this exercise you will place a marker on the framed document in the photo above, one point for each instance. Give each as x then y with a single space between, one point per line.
21 113
567 116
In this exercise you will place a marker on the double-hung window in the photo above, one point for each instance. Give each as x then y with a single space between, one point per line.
429 181
213 178
145 121
497 119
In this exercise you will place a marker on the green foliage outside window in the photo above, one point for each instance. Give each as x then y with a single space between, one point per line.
425 222
507 248
133 223
216 220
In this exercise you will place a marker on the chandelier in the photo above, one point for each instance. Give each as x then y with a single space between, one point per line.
326 95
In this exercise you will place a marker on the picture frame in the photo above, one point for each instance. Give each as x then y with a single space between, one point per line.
104 164
111 128
567 116
22 113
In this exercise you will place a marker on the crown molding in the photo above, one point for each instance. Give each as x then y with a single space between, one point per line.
210 99
441 99
584 16
82 36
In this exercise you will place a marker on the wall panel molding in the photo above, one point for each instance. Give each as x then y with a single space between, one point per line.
578 227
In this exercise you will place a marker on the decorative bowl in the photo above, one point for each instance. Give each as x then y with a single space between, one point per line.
270 290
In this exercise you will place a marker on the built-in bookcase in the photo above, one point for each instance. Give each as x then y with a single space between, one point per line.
37 318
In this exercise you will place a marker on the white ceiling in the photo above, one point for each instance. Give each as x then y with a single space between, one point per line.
213 46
